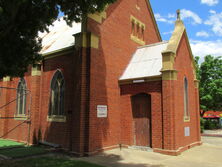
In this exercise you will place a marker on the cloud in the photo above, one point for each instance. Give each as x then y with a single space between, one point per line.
203 48
212 11
164 19
167 33
189 14
185 14
210 2
160 18
170 15
215 21
202 34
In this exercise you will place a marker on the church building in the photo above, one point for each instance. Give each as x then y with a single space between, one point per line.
106 83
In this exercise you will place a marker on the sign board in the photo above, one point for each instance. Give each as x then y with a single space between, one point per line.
102 111
139 81
187 131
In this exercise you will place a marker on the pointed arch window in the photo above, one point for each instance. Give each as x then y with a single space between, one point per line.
21 97
57 94
186 101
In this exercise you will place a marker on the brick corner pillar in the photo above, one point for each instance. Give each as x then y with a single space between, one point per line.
34 113
169 77
84 43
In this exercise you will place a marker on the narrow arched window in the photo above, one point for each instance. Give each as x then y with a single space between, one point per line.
21 97
186 103
138 30
57 94
133 28
143 33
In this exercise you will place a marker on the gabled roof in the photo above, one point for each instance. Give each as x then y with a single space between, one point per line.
153 19
173 46
60 36
146 62
209 114
176 36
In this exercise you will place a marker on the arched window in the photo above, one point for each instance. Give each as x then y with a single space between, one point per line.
57 94
21 97
186 103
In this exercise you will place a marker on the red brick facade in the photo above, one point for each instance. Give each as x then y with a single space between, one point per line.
92 78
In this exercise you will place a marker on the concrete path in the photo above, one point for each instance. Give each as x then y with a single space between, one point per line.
215 133
207 155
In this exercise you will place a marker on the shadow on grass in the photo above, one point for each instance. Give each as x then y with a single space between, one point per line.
21 155
64 162
47 162
22 151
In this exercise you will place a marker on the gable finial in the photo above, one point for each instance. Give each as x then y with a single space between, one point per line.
178 14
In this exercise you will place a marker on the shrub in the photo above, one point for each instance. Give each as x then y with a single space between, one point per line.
202 122
211 124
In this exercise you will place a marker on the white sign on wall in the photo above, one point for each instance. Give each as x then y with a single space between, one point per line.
102 111
187 131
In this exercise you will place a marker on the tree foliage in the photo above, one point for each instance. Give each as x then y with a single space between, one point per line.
22 20
209 73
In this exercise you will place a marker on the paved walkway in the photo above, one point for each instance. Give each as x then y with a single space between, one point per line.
207 155
215 133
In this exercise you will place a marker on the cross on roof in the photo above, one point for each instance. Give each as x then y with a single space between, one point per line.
178 14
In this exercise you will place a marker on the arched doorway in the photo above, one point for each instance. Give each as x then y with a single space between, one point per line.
141 108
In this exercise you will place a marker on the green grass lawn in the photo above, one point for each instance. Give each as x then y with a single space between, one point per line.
22 151
16 150
47 162
8 143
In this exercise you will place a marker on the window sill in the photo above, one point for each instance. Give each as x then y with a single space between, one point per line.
20 117
56 118
186 119
137 40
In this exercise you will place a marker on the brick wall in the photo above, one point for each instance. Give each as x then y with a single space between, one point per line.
183 63
65 134
108 63
12 128
154 89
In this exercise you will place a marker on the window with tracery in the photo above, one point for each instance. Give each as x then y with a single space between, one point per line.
21 97
57 94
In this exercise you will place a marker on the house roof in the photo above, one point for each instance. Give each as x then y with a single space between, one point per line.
60 36
212 114
146 62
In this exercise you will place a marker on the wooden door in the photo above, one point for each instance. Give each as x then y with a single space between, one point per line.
141 106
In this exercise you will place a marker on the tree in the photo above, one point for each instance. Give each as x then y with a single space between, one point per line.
22 20
210 75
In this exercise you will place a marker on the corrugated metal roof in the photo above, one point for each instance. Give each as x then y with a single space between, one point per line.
60 36
146 62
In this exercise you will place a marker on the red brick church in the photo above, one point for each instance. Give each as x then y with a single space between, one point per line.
106 83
